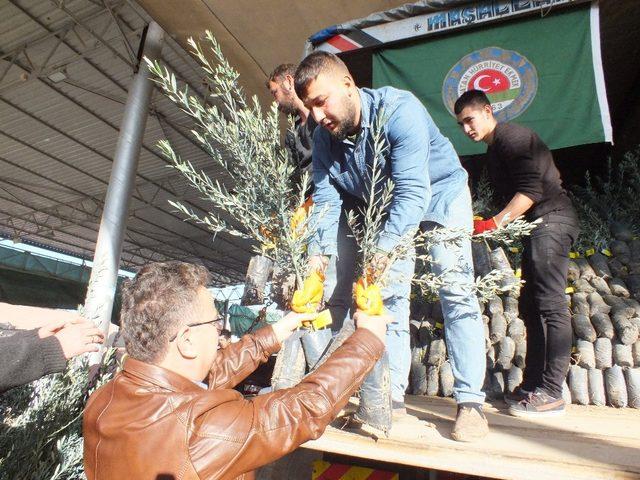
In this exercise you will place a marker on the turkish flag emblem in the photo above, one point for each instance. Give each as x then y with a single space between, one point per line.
489 81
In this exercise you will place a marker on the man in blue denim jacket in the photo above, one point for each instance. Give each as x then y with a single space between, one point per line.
430 190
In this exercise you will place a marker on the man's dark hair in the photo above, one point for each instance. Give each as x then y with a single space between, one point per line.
313 65
471 98
280 72
156 303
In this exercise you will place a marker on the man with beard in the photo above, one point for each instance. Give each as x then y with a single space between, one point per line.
527 182
430 191
298 142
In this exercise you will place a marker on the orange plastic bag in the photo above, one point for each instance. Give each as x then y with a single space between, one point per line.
308 299
368 297
299 216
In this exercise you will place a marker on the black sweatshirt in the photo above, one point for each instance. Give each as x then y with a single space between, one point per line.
520 162
25 357
299 143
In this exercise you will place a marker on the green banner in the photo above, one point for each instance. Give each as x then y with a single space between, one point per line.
542 72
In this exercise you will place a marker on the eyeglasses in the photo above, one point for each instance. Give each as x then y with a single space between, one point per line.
219 322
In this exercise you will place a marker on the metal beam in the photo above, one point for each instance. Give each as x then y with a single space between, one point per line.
31 219
125 40
159 187
60 34
79 212
180 239
102 181
157 242
104 274
171 245
92 32
196 208
221 237
21 231
68 26
82 55
117 19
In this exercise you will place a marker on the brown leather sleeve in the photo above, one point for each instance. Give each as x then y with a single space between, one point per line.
258 431
234 363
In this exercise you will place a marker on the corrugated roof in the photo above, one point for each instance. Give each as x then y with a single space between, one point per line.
65 70
256 36
64 75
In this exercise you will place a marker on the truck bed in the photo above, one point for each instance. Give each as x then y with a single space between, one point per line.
585 443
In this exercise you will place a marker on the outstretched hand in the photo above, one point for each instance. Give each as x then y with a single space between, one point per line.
76 337
287 324
376 324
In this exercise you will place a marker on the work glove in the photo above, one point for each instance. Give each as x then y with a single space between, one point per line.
480 226
368 297
309 298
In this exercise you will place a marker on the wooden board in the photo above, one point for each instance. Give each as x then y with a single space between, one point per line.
585 443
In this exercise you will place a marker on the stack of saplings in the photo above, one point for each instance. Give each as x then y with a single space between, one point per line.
504 331
604 299
431 372
605 313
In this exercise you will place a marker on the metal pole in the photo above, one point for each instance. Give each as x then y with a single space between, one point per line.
106 260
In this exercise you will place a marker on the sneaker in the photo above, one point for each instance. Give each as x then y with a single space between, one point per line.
538 404
516 396
471 424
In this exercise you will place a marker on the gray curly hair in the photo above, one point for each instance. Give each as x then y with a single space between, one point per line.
155 303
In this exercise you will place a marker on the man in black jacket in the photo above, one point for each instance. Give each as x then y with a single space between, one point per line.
526 180
26 355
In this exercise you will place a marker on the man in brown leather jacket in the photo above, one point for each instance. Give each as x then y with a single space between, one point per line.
156 420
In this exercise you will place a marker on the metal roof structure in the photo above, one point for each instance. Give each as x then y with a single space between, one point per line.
256 36
65 69
64 75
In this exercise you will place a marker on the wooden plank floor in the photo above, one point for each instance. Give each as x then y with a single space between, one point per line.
585 443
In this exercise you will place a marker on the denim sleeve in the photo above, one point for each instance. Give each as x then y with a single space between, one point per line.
326 198
408 136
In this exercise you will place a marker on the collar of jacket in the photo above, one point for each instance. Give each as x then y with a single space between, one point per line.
366 102
158 376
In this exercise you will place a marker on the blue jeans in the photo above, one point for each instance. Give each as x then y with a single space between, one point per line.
464 330
340 276
463 327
